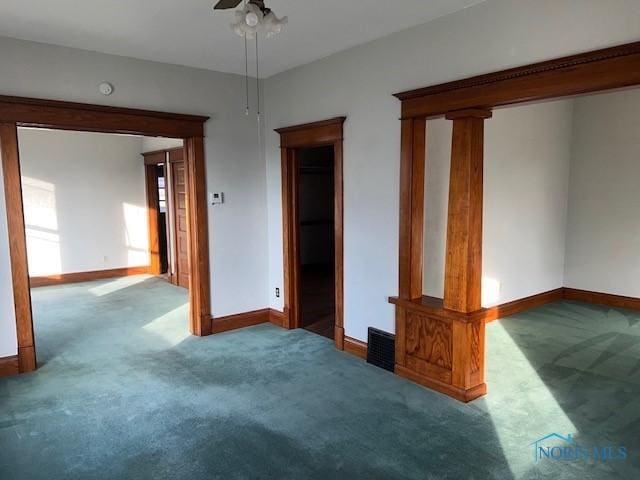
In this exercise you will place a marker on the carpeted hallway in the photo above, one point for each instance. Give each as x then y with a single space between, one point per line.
124 392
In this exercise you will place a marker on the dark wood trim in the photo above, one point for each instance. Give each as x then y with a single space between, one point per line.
355 347
521 305
160 156
198 235
435 306
9 366
17 245
323 133
440 343
34 112
428 309
338 239
152 160
17 111
598 298
290 237
155 158
605 69
77 277
412 172
240 320
277 317
153 206
463 260
445 349
463 395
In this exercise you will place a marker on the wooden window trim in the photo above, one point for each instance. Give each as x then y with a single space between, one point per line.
32 112
309 135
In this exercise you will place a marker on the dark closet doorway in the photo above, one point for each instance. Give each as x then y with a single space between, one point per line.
316 226
317 147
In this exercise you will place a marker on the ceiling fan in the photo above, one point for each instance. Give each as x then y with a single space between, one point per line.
226 4
253 18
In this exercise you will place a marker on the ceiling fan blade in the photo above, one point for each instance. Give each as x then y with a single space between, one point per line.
225 4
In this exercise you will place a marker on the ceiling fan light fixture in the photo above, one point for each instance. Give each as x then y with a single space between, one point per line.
252 19
273 25
242 27
253 15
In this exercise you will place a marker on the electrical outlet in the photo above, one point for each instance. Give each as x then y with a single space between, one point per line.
277 292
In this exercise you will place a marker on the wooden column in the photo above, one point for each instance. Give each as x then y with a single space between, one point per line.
17 246
412 170
412 163
290 238
197 234
463 269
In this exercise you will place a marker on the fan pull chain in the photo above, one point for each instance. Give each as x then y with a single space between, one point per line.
258 78
246 73
246 67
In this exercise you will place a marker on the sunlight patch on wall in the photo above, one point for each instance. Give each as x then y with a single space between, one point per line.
41 225
136 234
490 291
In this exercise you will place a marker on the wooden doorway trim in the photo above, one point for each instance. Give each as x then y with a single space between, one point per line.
453 326
151 161
30 112
317 134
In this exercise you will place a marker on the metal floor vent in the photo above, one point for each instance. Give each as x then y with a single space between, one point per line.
381 350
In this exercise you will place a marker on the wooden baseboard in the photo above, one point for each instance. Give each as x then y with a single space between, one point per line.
86 276
517 306
9 366
276 317
522 304
355 347
447 389
616 301
240 320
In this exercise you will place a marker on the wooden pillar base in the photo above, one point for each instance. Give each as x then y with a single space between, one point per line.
439 348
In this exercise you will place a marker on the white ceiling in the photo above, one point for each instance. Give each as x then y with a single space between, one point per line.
188 32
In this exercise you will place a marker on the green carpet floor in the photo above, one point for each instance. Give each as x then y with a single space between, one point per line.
123 392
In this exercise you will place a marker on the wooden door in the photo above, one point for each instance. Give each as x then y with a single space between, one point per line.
179 193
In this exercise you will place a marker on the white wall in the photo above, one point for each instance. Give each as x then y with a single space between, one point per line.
436 203
493 35
527 153
603 229
527 158
84 201
235 166
151 144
